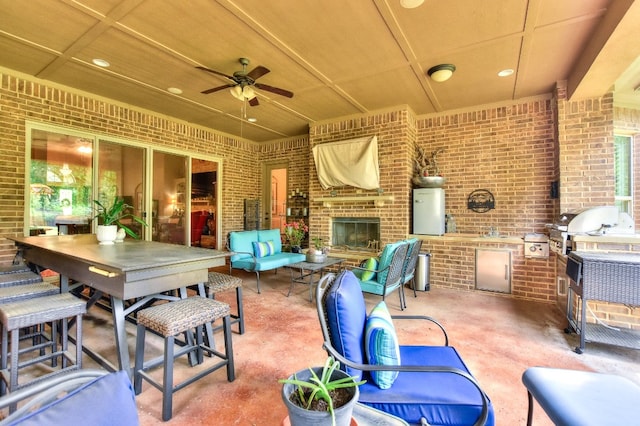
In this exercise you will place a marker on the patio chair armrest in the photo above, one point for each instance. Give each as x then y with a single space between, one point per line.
424 318
484 414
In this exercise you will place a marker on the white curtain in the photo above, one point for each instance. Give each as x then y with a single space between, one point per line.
352 162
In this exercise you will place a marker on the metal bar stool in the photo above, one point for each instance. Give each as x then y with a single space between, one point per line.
169 320
27 313
219 283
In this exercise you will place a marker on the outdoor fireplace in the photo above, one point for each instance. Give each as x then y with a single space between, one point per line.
356 232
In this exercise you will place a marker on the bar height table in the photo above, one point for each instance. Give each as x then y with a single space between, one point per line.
127 270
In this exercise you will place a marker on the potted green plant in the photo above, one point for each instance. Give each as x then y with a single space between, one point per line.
320 396
110 218
318 253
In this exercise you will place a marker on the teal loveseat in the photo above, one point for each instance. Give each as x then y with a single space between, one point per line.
258 251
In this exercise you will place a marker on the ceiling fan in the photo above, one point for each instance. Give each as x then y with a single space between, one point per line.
243 83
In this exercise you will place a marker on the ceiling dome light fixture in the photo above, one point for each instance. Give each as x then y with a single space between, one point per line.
101 63
410 4
505 73
442 72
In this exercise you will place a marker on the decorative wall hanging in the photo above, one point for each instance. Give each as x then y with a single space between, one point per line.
481 201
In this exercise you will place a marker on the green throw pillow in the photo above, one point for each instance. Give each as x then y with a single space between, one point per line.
370 265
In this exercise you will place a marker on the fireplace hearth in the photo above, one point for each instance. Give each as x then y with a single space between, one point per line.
356 233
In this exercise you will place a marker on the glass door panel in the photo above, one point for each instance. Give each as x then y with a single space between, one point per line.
121 174
60 178
170 191
204 187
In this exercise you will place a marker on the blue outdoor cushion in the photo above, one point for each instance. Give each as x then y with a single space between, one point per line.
381 345
262 249
242 241
105 401
346 317
370 265
271 235
441 398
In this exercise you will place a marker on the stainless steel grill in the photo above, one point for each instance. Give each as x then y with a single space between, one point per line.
600 220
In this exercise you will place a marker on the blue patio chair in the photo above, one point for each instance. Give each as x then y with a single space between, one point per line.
415 383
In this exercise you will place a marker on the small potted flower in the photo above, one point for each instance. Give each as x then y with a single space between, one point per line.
319 252
320 395
294 233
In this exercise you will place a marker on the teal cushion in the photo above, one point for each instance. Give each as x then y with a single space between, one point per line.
271 235
381 345
371 265
262 249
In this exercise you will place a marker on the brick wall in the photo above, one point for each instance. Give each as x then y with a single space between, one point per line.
508 150
585 143
395 133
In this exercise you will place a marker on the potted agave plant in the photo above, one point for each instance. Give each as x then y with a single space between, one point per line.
110 219
320 396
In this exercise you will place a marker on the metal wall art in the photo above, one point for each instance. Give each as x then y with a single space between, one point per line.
481 201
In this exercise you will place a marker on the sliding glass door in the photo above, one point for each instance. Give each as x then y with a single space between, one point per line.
176 194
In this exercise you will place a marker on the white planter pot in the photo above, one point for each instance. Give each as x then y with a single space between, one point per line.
298 416
106 234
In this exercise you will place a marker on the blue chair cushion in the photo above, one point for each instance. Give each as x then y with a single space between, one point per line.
107 400
242 241
441 398
370 265
262 249
346 316
381 345
269 262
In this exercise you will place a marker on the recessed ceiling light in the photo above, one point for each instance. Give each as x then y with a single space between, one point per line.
252 119
505 73
174 90
101 63
410 4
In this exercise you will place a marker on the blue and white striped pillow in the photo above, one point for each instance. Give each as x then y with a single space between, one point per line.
263 248
381 345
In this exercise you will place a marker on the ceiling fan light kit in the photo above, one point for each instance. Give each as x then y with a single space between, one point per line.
442 72
242 83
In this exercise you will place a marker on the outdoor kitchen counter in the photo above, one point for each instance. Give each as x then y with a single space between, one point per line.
471 238
626 243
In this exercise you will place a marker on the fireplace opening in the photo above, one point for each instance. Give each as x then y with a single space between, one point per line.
356 232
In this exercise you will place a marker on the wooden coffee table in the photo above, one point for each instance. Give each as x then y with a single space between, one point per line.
307 269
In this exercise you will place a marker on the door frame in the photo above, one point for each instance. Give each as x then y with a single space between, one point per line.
267 169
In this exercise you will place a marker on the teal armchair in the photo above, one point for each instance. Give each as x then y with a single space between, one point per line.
387 276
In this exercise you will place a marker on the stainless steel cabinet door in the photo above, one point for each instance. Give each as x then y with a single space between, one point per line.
493 270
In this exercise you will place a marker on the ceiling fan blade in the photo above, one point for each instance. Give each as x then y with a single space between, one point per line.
257 72
216 73
216 89
275 90
254 101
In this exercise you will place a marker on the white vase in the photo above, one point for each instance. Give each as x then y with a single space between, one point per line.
106 234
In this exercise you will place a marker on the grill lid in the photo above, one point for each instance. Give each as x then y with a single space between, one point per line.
587 220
